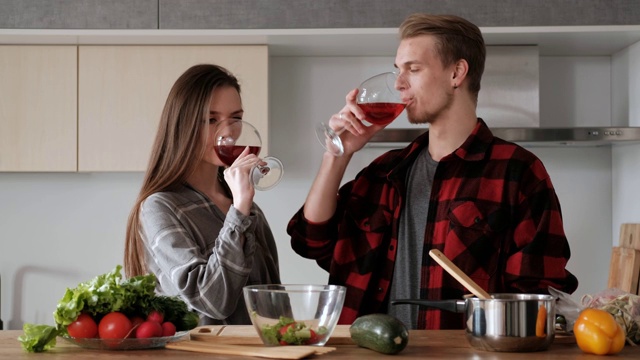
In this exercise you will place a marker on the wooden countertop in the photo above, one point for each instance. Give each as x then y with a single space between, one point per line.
436 344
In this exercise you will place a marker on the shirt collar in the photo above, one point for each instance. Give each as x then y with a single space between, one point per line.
474 147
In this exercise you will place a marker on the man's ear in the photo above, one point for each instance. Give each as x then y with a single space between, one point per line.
460 70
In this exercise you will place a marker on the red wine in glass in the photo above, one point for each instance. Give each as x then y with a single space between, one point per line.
232 137
229 153
381 113
379 99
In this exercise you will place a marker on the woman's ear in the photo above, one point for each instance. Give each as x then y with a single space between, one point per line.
460 70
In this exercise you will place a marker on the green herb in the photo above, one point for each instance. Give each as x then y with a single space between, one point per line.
175 311
38 338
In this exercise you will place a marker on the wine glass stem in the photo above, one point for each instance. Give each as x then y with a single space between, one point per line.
264 170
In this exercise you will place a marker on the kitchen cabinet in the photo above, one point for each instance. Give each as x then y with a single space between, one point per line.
38 108
96 108
122 90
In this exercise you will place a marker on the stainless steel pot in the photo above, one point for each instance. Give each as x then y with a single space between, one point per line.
505 322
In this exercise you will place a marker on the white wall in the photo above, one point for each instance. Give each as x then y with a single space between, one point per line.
57 230
626 162
60 229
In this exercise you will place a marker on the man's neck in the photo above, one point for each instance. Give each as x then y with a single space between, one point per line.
448 135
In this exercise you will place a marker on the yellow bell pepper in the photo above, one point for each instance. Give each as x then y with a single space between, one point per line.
597 332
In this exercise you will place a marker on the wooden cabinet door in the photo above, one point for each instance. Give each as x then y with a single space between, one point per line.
122 90
38 108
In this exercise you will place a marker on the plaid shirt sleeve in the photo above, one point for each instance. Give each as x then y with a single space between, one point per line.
539 250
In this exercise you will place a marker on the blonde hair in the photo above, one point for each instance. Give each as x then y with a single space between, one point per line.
177 148
456 39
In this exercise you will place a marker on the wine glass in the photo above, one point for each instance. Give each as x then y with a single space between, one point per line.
380 101
232 137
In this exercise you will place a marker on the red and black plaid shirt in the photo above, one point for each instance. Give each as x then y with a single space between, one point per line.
493 211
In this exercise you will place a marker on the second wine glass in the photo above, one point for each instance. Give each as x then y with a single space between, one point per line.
380 101
232 137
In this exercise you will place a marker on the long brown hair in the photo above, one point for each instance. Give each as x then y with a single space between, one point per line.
177 148
457 39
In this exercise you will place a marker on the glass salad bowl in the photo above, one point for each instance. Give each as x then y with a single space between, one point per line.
294 314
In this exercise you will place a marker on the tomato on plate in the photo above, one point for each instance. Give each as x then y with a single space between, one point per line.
149 329
136 320
114 325
155 316
168 329
83 327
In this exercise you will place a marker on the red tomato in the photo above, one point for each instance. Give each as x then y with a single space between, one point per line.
114 325
83 327
135 322
313 338
284 329
168 329
149 329
155 316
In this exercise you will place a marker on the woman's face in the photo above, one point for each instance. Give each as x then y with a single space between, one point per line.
226 105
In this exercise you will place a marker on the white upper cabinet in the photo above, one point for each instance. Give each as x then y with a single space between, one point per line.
122 91
38 117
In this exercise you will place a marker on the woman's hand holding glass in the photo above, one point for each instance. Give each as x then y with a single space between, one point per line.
234 138
238 178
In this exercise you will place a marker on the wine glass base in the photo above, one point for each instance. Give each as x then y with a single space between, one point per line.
329 139
267 176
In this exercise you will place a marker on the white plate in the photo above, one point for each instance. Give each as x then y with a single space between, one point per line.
125 344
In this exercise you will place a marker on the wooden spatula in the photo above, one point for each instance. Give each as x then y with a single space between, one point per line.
277 352
455 271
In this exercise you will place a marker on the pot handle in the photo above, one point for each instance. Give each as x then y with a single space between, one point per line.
457 306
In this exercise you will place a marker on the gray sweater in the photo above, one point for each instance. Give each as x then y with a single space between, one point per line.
205 257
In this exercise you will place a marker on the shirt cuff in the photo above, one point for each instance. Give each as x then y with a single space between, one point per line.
240 221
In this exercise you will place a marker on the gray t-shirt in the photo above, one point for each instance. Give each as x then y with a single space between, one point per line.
413 221
205 257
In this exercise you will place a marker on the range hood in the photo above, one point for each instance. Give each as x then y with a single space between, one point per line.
533 137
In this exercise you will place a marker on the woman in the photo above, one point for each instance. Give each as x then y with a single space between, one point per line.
194 224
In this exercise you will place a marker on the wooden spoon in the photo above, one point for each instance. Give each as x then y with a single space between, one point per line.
455 271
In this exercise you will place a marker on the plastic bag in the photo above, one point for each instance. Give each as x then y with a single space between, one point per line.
567 307
624 306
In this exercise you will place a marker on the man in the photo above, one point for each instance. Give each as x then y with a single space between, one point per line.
487 204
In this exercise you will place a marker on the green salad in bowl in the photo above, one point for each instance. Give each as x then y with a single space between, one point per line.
294 314
290 332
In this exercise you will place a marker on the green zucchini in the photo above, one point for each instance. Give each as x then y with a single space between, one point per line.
380 332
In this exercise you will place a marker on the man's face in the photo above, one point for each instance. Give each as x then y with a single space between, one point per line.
424 83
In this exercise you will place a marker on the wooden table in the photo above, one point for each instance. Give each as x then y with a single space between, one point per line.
423 344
